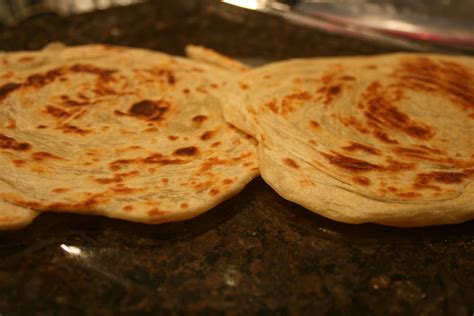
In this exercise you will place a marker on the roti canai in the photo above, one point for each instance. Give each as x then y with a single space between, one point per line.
120 132
386 139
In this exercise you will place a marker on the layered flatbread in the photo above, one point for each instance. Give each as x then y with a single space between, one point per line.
120 132
386 139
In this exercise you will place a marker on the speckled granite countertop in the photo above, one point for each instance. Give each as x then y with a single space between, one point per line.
256 253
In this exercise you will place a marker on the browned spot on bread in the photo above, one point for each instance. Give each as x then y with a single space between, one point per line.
227 181
8 88
151 130
251 110
186 151
19 162
202 90
207 135
165 180
7 75
215 144
150 110
42 79
361 180
243 86
26 59
60 190
197 69
124 190
103 73
11 143
425 180
351 164
347 78
370 67
247 136
291 163
211 162
102 88
68 129
332 87
57 112
117 178
42 155
133 147
446 78
384 137
186 91
82 96
429 149
128 208
11 124
184 205
381 113
395 165
420 152
160 159
163 72
172 137
272 106
170 78
119 113
67 101
288 102
214 192
314 124
243 156
409 195
154 212
312 142
352 121
29 204
88 204
232 127
151 159
361 147
118 164
41 126
199 118
334 90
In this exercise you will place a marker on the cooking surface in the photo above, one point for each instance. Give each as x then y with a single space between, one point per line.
254 253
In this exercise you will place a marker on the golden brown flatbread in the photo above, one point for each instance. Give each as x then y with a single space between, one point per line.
386 139
120 132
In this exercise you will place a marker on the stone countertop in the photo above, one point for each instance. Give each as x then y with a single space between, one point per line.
255 253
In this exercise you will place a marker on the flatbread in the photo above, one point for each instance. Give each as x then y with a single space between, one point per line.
212 57
386 139
120 132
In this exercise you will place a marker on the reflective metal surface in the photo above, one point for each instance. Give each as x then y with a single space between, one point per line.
415 24
14 11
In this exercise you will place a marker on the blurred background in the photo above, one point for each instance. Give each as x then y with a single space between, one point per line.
443 22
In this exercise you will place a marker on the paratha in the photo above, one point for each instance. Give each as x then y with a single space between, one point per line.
125 133
385 139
